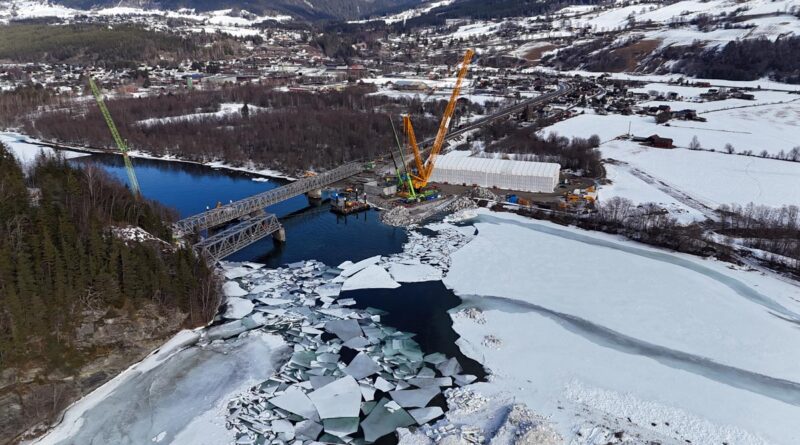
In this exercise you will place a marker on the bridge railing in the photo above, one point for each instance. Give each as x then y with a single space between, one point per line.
238 237
229 212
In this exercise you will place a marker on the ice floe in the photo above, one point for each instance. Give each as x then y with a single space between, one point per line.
349 377
371 277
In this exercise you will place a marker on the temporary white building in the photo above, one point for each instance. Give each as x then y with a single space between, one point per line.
525 176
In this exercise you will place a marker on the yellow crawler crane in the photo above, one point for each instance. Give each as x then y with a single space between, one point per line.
123 148
425 168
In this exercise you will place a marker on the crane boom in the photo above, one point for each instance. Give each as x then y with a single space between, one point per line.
425 168
123 148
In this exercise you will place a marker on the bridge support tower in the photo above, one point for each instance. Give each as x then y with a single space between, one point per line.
279 236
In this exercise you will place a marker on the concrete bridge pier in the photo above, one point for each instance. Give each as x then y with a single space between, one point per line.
279 236
314 194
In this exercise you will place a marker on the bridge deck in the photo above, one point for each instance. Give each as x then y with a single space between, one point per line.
248 206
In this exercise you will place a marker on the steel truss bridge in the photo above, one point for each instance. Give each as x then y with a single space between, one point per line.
256 223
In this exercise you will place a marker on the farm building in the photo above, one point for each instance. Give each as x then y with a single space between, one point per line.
526 176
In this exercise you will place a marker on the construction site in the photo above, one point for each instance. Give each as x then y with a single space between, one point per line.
411 183
417 181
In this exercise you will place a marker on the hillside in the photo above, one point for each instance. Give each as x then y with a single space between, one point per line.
310 9
123 46
87 286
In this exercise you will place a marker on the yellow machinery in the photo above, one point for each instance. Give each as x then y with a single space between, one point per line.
117 138
425 168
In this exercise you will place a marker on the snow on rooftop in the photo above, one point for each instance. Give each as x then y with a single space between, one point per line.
455 168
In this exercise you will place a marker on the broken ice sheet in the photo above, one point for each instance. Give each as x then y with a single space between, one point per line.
381 421
340 427
344 329
414 398
307 429
328 290
464 379
283 428
340 398
372 277
237 308
227 330
351 269
407 273
232 289
435 358
232 272
449 368
362 366
297 402
424 382
425 415
383 384
357 343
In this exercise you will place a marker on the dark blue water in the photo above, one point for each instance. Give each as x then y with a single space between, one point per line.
422 309
312 231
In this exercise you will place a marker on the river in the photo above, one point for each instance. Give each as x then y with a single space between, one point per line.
312 232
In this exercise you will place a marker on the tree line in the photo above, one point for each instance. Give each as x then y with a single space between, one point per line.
773 230
748 59
287 131
59 257
124 46
574 154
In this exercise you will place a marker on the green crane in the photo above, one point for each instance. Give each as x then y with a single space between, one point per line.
406 177
123 148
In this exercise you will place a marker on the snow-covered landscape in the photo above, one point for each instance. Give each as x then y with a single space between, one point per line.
607 325
647 294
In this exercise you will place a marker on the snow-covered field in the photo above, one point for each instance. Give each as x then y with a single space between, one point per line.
584 325
224 20
713 178
690 183
625 184
225 110
770 127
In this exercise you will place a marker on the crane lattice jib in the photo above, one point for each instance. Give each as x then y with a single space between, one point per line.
408 129
117 138
448 115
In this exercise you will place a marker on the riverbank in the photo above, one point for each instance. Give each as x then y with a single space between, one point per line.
11 136
312 308
545 310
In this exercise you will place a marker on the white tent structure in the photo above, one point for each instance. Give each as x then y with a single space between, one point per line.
526 176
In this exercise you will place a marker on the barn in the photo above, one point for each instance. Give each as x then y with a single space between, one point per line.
526 176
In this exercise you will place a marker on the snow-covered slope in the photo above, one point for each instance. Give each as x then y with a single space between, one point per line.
310 9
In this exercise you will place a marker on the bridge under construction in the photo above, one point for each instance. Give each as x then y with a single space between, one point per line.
249 217
255 223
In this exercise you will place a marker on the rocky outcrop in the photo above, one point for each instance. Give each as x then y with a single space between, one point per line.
32 398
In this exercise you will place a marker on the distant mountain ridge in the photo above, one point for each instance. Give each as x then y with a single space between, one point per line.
307 9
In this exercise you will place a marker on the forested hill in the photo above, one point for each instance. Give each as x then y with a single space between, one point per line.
308 9
79 297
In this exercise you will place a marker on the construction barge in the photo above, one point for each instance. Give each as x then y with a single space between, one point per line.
347 204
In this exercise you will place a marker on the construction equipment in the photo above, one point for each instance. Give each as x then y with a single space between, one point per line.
123 147
403 179
425 168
